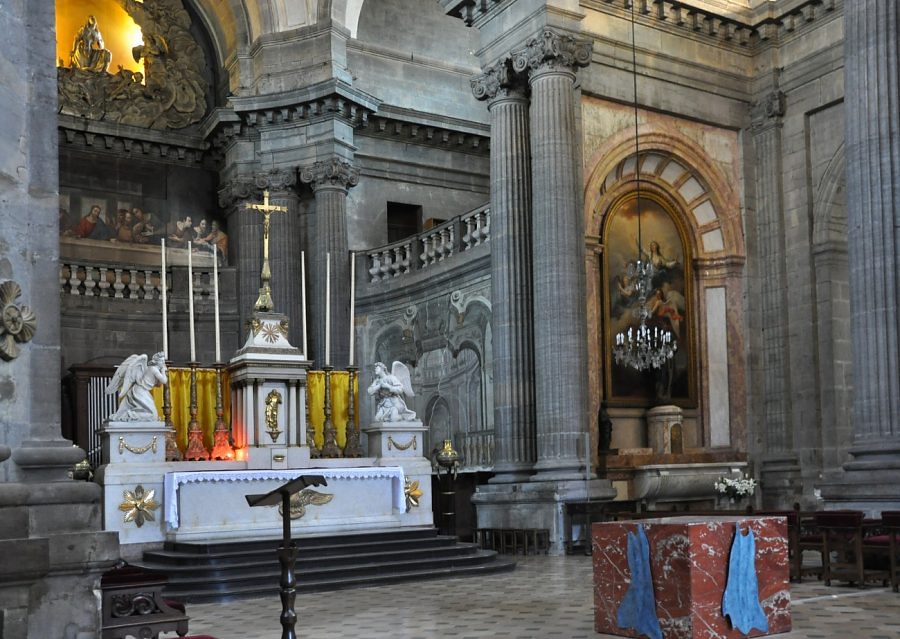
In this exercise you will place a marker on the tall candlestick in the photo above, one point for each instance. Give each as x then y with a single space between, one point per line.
303 298
216 306
163 294
328 309
352 301
191 303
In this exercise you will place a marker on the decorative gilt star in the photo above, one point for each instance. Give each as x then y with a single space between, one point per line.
138 505
412 492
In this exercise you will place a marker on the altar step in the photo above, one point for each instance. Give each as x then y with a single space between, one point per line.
220 571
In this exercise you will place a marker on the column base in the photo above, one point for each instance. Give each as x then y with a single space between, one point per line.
869 482
536 504
780 478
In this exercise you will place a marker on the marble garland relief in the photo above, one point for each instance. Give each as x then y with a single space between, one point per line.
170 93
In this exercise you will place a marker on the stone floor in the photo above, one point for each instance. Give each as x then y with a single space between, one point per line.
544 598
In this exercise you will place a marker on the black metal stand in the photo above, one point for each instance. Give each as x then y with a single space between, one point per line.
448 504
287 553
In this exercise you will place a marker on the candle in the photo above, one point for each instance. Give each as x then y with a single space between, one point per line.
191 303
352 301
328 309
216 306
164 293
303 297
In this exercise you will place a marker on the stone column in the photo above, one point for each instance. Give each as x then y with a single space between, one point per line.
330 180
560 332
779 464
872 478
284 247
511 255
245 244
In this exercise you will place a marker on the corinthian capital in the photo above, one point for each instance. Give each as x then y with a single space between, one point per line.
550 50
330 173
498 81
276 179
239 189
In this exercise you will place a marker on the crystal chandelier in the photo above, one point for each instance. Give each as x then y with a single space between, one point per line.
643 346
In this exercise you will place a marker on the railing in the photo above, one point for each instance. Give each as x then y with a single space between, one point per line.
477 448
118 282
459 234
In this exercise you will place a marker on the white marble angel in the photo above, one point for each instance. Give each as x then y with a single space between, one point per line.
133 381
389 389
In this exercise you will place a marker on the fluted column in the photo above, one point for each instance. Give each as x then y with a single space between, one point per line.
560 334
872 83
330 180
511 255
245 243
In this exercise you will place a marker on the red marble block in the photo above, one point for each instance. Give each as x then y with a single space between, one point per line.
689 567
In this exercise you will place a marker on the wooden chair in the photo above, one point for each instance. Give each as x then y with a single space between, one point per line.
843 551
888 543
133 605
809 538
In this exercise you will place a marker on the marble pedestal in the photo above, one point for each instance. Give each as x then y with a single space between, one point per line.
689 568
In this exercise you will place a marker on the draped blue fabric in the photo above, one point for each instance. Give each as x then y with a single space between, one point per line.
638 608
741 599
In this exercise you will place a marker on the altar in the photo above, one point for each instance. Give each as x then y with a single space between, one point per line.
690 577
211 504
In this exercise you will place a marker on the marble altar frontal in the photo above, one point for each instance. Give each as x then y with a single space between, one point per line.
689 571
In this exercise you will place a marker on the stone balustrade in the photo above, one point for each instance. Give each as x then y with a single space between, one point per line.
117 281
456 235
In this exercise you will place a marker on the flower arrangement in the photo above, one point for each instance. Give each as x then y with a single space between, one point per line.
735 487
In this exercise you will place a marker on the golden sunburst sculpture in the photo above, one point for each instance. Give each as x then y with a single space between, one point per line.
412 492
139 505
305 498
17 322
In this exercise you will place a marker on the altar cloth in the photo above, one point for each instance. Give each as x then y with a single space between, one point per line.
174 481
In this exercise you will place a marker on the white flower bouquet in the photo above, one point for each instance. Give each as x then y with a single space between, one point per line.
735 487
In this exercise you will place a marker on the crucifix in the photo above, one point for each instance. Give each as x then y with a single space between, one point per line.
264 301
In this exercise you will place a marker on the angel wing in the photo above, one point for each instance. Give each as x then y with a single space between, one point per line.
129 372
304 498
401 372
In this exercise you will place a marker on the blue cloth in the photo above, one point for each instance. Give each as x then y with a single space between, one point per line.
741 599
638 608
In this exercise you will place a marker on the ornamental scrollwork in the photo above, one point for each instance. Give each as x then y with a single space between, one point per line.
553 51
169 94
333 173
18 322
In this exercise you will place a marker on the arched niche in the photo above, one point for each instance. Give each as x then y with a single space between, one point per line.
677 177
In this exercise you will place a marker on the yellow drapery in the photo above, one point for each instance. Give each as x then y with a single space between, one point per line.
315 389
180 388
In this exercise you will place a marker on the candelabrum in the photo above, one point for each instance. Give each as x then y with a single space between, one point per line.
195 450
223 447
352 447
314 451
329 446
642 347
172 452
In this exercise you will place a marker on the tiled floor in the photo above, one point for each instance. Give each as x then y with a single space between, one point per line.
544 598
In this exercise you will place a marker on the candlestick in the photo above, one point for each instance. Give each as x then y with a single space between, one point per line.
216 306
352 301
328 309
163 294
191 303
303 299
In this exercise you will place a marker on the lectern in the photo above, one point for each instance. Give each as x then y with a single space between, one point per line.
287 553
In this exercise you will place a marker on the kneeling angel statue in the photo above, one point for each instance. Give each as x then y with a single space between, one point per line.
133 381
389 389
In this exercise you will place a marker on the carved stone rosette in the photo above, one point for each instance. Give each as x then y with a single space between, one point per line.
552 51
333 173
17 322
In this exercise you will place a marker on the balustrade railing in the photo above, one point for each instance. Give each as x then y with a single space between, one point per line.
461 233
119 282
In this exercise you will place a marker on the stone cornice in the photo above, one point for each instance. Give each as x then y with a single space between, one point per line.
332 98
498 81
411 128
131 142
740 32
334 173
470 11
552 51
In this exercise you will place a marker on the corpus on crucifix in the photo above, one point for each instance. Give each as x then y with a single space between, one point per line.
264 301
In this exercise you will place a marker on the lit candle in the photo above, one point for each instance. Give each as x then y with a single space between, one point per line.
191 303
164 293
216 306
303 297
328 309
352 301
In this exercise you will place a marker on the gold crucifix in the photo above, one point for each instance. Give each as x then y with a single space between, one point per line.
264 301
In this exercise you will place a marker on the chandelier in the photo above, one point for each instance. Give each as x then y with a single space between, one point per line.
643 346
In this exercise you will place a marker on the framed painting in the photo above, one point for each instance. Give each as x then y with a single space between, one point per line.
660 239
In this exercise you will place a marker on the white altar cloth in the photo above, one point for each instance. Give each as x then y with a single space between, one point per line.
173 481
